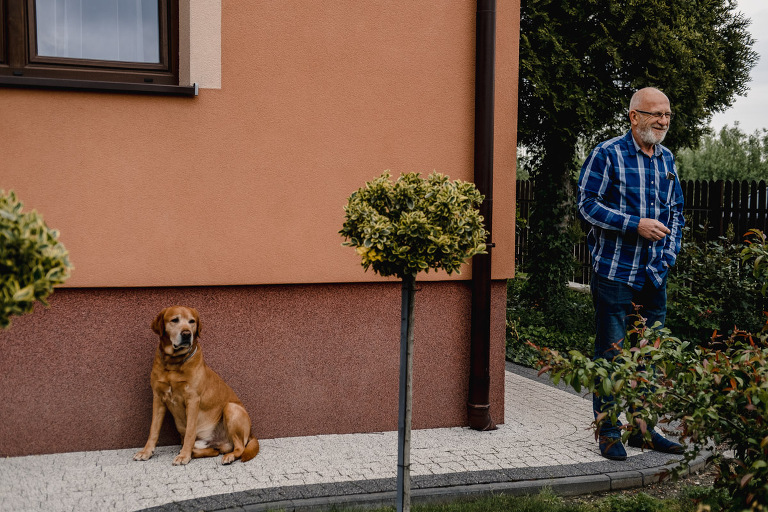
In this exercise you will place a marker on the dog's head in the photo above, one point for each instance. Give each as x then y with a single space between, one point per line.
179 328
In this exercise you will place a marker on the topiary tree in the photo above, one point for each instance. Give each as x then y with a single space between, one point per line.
400 229
32 260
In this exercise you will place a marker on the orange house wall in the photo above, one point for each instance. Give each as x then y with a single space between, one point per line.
193 200
246 184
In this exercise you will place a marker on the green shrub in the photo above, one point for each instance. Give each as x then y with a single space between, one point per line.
710 289
718 392
756 248
526 322
32 260
718 395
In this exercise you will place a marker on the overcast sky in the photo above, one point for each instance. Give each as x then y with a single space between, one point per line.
752 111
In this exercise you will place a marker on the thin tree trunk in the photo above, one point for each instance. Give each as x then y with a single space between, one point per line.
551 217
406 385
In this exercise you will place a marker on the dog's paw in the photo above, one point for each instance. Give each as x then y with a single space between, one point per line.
228 458
182 460
142 455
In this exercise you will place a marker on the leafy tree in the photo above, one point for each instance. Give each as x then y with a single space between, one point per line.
730 154
580 62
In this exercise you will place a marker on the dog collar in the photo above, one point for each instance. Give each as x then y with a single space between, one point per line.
189 355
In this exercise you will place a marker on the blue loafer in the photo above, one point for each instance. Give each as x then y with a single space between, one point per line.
611 448
657 442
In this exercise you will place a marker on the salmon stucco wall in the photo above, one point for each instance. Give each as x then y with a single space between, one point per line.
246 183
304 359
231 202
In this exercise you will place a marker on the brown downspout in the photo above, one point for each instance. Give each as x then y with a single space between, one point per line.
478 405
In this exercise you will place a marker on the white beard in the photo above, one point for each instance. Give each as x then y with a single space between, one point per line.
649 136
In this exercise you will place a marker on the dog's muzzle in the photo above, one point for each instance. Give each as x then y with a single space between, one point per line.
185 340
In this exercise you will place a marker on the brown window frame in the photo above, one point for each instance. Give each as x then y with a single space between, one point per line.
21 66
3 58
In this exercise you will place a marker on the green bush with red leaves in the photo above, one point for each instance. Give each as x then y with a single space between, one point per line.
715 393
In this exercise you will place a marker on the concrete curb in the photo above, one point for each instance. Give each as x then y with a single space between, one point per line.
354 495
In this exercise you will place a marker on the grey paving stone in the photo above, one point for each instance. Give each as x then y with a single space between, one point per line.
544 440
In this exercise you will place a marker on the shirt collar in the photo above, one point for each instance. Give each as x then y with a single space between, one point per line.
636 147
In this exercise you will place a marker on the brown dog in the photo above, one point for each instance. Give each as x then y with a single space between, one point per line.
208 414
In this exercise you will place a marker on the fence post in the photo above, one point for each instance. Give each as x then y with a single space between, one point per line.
743 210
728 206
715 207
761 221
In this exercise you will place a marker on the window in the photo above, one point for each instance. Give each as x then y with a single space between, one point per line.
91 44
98 30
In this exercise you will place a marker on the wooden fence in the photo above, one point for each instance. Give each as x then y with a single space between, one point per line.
713 205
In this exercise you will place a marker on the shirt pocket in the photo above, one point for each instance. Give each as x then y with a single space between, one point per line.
665 191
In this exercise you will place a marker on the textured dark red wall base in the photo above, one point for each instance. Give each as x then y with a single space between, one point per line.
304 359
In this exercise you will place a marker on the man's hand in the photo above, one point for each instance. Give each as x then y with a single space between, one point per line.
652 230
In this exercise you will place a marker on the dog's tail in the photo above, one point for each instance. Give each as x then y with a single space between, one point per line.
251 449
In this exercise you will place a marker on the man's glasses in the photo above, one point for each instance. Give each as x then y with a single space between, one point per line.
657 115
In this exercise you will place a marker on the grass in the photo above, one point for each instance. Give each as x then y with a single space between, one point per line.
689 500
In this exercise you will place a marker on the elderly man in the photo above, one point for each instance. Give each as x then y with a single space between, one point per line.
630 195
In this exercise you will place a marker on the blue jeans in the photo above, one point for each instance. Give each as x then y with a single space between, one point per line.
613 303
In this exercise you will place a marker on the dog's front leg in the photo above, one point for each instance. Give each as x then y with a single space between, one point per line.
190 435
158 414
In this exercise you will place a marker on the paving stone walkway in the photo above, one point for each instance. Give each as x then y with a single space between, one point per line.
544 441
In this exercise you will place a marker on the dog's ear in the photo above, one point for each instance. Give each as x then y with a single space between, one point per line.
197 321
158 324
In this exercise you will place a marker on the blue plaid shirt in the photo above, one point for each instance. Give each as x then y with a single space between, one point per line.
619 185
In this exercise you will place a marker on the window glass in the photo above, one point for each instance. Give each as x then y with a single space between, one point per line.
111 30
